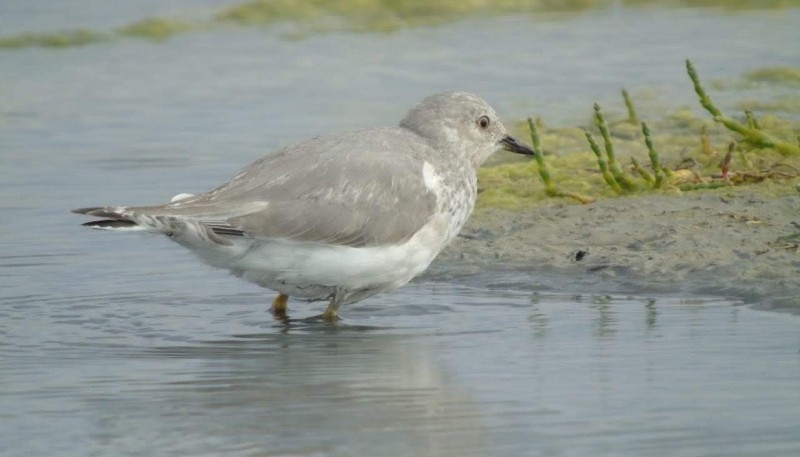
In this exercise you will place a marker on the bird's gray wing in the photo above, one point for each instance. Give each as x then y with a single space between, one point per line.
358 189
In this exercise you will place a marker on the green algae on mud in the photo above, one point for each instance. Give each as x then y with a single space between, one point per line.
311 16
778 104
515 186
317 16
782 80
387 15
725 4
152 29
157 28
690 149
63 39
750 131
788 76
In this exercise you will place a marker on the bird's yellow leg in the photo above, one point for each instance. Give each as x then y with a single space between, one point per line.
331 313
279 305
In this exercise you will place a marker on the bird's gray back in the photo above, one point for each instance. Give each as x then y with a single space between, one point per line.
360 188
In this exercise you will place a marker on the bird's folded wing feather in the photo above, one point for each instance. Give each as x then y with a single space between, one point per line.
353 189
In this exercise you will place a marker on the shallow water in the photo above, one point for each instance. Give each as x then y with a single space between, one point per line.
434 369
117 345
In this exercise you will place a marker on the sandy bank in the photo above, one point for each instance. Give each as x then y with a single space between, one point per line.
737 242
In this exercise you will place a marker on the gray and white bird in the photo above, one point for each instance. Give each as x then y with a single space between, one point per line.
339 217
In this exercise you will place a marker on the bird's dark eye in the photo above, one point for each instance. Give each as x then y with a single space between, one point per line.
483 122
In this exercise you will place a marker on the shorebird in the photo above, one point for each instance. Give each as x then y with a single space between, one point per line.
340 217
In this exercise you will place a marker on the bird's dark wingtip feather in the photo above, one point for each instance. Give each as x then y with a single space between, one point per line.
228 231
109 224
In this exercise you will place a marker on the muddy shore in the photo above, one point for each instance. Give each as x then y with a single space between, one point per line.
740 243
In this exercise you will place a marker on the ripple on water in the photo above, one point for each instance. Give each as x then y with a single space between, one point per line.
487 372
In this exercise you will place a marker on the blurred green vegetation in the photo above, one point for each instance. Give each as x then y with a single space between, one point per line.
787 76
63 39
156 28
573 168
683 152
677 152
726 4
354 15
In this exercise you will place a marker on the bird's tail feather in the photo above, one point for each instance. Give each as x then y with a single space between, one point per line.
113 219
121 218
116 225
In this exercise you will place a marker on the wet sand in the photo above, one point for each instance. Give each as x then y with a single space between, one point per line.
741 243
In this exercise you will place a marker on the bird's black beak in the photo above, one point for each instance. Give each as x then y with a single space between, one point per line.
514 145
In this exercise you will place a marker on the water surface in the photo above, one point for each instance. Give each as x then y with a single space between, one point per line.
434 369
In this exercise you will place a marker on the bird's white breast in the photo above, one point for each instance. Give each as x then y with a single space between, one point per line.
315 270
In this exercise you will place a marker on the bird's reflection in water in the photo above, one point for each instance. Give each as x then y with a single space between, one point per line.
305 392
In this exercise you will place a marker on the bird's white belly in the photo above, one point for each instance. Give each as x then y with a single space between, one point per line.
315 270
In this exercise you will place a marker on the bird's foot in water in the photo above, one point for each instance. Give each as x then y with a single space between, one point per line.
278 308
331 315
